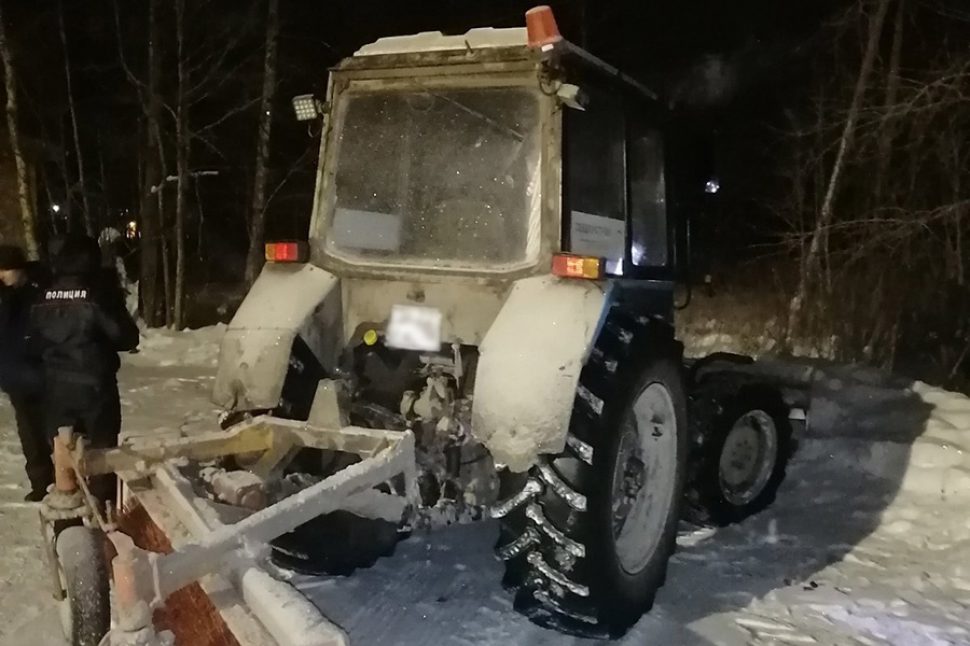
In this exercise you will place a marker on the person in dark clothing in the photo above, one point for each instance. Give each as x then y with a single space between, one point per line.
20 377
77 327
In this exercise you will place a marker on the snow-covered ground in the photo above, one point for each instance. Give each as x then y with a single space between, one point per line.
868 543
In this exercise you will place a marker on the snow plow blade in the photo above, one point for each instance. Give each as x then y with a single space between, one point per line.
220 545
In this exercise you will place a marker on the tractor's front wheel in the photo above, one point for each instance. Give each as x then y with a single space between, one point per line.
587 537
85 610
743 459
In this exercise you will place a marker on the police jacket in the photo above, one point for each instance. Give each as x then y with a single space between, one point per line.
78 325
20 374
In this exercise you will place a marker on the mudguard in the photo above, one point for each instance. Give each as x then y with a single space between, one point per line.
529 365
255 352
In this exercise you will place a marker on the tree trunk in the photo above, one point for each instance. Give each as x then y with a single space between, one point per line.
181 168
55 225
888 130
167 281
23 190
150 242
67 208
824 218
164 229
257 222
72 110
584 24
105 211
958 216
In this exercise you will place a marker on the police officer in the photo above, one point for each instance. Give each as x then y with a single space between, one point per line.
78 326
20 377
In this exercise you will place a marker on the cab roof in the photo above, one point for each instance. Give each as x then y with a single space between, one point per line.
433 48
435 41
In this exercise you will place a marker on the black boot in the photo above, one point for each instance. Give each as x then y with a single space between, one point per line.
35 495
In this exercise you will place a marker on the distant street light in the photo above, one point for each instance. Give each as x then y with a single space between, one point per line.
56 208
712 186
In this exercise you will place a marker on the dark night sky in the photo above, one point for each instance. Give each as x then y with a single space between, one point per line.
654 39
730 62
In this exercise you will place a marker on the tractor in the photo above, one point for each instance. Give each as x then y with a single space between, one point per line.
479 326
491 264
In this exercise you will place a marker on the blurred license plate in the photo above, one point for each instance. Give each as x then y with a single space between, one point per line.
414 328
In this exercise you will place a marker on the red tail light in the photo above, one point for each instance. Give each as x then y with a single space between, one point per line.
286 252
567 265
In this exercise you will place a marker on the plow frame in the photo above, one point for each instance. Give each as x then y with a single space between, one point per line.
220 546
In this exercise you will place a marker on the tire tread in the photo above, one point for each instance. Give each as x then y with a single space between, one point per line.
542 598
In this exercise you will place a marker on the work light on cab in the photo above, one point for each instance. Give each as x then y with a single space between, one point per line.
307 107
286 252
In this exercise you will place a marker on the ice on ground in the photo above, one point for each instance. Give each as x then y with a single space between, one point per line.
189 348
917 435
867 544
873 507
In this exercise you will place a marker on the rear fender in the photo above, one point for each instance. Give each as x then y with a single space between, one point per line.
286 300
529 365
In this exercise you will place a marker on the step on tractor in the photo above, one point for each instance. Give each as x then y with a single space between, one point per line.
478 327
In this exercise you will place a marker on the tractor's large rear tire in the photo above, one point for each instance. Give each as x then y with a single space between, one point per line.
86 609
587 534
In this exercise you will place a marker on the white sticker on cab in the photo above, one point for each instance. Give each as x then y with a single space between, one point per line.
596 235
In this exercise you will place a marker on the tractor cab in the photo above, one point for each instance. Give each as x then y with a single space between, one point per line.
501 153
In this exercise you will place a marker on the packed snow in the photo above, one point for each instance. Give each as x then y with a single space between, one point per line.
868 543
162 348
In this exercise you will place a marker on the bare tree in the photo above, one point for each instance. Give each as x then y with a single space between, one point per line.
894 239
892 93
182 144
155 307
23 188
819 236
72 110
194 89
211 84
257 223
154 171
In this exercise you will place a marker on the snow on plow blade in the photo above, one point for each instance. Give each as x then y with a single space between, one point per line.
218 545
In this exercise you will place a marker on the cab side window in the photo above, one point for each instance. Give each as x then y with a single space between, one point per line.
648 203
595 188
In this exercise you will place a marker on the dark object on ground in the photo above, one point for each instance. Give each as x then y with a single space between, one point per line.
336 543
